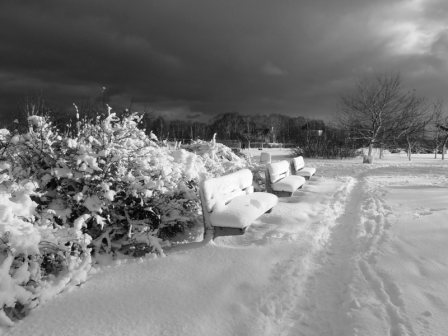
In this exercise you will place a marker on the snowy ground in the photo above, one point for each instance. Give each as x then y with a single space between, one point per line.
359 250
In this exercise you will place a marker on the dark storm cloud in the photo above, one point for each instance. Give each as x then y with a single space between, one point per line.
192 59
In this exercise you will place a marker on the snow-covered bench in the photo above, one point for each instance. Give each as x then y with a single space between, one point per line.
279 181
298 168
265 157
229 204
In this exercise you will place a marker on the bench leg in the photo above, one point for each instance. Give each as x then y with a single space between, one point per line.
227 231
282 193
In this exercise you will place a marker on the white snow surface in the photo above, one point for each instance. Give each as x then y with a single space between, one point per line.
359 250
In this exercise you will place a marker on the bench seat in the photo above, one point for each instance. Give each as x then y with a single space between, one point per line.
290 183
241 211
298 168
306 172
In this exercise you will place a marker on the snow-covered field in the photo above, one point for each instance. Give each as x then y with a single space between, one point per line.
359 250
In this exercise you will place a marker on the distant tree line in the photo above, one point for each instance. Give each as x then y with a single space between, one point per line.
274 128
379 113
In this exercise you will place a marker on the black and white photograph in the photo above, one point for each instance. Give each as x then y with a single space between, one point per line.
223 168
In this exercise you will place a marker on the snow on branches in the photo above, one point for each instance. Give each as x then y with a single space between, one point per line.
111 189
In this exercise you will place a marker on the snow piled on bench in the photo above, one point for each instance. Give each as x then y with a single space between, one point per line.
242 210
290 183
299 163
277 170
226 187
299 166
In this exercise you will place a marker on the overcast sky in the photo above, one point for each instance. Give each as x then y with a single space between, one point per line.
191 59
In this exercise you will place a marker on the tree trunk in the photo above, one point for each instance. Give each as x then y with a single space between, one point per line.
370 149
445 139
409 151
367 159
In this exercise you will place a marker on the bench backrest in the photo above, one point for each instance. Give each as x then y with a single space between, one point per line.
225 188
265 157
277 170
298 163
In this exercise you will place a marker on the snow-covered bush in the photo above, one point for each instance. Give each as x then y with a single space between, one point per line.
218 158
109 188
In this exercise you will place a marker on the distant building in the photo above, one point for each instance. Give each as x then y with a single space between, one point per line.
314 127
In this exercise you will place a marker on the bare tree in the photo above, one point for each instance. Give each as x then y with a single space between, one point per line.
228 123
276 125
374 110
438 129
412 123
198 130
159 126
248 129
147 121
445 139
37 104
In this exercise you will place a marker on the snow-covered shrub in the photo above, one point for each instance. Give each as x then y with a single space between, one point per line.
32 254
110 188
220 160
107 188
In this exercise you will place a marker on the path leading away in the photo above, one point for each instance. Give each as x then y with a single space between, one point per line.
383 269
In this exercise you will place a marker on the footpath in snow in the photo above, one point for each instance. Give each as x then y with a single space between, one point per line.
359 250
